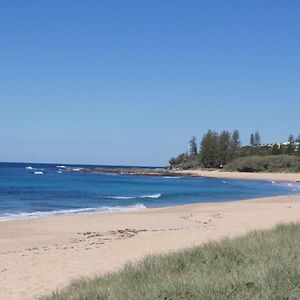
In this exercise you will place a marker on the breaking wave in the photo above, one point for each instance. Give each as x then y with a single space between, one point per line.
152 196
41 214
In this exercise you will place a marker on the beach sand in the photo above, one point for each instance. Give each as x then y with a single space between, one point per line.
292 177
38 256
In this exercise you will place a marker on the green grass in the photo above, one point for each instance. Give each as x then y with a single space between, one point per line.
259 265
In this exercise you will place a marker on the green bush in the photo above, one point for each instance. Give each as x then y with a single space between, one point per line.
270 163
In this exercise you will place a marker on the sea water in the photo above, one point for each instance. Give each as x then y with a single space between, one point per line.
37 190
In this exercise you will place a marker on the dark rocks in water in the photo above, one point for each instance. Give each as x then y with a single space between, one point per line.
134 171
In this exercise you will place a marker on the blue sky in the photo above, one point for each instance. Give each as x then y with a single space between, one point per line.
129 82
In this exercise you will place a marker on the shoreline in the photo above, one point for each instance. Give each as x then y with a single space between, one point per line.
277 177
40 255
272 177
202 173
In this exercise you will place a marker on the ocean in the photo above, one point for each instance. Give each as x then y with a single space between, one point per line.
39 190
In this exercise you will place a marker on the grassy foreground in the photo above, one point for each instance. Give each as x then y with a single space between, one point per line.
259 265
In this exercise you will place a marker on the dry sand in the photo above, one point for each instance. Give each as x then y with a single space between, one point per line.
41 255
293 177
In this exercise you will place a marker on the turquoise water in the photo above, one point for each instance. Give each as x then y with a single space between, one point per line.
36 190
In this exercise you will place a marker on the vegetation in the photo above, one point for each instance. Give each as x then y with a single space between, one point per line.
216 150
275 163
259 265
255 139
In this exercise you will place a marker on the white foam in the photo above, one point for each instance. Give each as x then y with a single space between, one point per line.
29 168
172 177
120 197
38 173
41 214
153 196
295 186
61 167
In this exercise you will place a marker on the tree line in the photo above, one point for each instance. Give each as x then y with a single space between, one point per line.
217 149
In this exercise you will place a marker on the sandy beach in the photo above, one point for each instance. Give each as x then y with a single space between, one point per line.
292 177
38 256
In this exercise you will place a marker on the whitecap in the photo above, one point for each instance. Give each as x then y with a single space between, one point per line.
120 197
153 196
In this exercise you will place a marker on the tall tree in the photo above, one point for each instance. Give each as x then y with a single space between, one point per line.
236 138
193 147
291 139
209 150
257 138
223 148
252 140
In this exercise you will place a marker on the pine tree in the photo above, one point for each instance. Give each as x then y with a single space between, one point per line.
209 150
223 148
252 140
236 138
193 147
257 139
291 139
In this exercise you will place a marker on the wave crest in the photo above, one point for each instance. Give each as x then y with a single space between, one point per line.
41 214
152 196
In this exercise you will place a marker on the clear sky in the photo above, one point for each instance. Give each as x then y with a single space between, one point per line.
129 82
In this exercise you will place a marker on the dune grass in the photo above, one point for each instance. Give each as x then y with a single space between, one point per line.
259 265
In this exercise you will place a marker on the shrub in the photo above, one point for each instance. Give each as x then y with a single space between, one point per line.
270 163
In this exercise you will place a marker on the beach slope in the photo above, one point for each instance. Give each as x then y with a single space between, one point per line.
41 255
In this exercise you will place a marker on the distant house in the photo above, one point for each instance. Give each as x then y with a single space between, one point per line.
271 145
